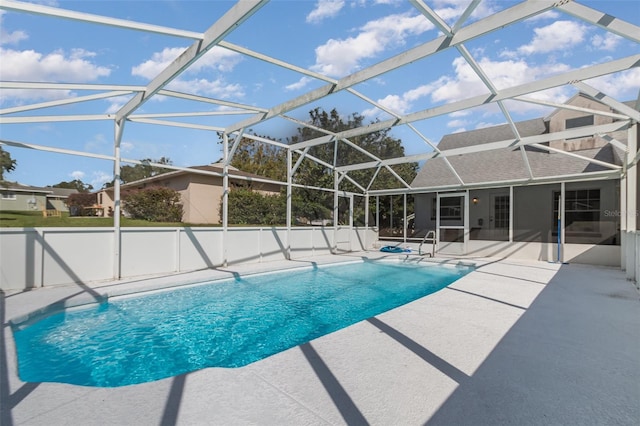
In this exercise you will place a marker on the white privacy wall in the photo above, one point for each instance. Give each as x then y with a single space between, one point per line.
41 257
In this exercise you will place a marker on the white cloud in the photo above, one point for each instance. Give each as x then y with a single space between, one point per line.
462 113
218 58
324 9
464 83
99 144
77 174
451 10
558 36
99 178
299 84
457 123
343 56
608 42
126 146
216 88
13 37
623 85
29 65
117 102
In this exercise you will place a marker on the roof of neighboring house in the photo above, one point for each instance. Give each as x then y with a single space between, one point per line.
215 168
61 192
506 164
47 191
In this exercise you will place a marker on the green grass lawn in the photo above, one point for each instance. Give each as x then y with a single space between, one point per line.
24 219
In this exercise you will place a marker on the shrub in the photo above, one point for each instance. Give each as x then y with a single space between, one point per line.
247 207
156 204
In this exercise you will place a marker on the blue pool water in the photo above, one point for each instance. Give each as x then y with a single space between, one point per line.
227 323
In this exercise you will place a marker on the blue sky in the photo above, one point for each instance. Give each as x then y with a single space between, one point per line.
334 38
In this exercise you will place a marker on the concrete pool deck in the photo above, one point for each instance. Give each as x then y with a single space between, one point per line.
513 342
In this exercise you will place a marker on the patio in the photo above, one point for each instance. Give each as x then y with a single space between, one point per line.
510 343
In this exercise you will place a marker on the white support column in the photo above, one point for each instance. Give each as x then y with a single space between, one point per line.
117 263
623 219
404 212
289 195
391 213
511 206
336 183
561 214
631 209
378 214
437 221
225 196
466 222
632 181
350 212
366 221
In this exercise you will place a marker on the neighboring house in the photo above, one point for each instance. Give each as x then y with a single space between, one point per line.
18 197
498 200
201 194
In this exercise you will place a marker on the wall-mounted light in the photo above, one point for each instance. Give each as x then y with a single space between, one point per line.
475 200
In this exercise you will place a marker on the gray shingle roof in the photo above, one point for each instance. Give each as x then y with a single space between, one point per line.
505 164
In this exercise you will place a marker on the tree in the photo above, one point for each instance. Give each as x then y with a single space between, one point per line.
142 171
79 202
155 204
262 159
7 164
313 204
74 184
379 143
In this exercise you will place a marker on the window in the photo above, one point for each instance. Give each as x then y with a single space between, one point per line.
581 211
572 123
450 208
8 195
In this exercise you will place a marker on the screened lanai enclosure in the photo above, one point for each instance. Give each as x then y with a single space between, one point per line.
541 163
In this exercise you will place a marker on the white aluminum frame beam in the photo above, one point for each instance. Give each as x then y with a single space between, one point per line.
570 107
604 21
508 143
506 17
96 19
608 100
238 13
558 80
66 101
579 177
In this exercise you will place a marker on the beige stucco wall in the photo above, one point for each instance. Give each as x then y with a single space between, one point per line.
201 201
558 119
201 195
105 200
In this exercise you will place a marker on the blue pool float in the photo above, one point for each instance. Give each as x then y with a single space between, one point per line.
395 249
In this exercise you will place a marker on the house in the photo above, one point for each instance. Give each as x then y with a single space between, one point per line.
19 197
506 200
201 193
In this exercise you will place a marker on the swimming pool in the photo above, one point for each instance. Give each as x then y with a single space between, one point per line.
226 323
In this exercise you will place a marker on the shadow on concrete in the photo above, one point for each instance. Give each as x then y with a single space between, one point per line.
571 359
172 406
343 402
8 400
446 368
